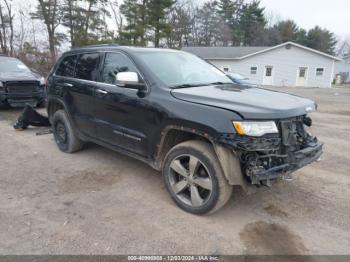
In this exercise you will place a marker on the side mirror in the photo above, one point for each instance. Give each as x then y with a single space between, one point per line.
129 80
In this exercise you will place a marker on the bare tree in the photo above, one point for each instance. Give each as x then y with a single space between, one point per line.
21 35
117 16
3 41
10 16
48 11
343 47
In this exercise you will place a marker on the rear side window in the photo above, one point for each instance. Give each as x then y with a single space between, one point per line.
87 66
66 68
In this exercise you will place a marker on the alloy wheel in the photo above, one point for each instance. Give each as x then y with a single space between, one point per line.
190 180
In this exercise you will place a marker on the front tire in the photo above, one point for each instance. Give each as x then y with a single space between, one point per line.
63 133
194 178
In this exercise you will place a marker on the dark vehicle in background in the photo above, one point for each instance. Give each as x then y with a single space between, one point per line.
241 80
182 116
19 85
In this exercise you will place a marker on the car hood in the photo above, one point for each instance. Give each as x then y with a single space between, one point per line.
245 82
18 76
250 103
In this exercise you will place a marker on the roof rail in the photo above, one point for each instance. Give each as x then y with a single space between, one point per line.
92 46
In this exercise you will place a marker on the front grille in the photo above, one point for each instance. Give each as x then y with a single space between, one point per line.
21 87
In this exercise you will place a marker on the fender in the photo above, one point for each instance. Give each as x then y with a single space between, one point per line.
232 168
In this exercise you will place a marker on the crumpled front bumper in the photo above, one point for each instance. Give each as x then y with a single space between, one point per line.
22 99
295 161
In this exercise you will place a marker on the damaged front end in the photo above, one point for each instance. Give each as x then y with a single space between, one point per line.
273 156
21 93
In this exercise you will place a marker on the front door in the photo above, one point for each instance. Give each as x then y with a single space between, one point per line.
302 75
121 114
268 76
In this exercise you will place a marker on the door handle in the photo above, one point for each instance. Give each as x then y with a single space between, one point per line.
68 84
101 91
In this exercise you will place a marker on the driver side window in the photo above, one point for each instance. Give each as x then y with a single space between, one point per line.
115 63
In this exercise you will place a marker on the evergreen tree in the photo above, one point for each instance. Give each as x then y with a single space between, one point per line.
322 40
226 11
230 12
301 36
141 27
181 27
288 30
157 11
130 10
86 21
252 24
208 24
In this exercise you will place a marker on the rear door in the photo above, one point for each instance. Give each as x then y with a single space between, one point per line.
81 92
64 86
122 115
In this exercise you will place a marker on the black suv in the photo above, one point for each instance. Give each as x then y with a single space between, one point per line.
182 116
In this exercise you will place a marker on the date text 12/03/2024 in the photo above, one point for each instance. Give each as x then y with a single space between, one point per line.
173 258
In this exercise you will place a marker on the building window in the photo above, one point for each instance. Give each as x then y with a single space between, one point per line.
253 70
302 72
268 71
319 71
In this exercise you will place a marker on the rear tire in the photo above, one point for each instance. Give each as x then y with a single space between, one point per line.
194 178
63 133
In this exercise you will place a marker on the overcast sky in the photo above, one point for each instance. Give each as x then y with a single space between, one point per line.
331 14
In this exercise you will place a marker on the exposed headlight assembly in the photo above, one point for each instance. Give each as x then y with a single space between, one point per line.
255 128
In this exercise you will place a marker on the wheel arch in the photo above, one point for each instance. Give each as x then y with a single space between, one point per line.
173 135
53 106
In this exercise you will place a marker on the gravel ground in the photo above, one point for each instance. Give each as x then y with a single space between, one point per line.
100 202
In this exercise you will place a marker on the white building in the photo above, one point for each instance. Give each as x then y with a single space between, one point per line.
287 64
343 68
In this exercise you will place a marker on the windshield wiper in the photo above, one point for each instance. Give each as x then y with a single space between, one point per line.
195 85
185 86
219 83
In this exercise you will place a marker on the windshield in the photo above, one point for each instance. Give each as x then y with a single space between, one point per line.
12 65
176 69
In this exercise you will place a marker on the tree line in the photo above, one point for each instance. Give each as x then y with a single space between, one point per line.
158 23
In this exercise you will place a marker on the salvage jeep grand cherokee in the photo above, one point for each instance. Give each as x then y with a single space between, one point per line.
183 117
